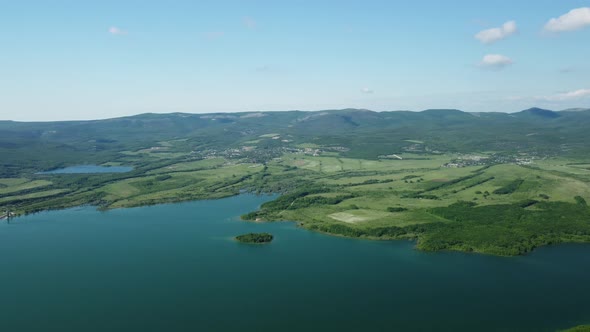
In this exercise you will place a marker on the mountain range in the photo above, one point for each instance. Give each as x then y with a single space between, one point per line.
362 133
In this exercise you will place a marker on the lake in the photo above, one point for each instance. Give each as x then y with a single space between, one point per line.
89 169
176 267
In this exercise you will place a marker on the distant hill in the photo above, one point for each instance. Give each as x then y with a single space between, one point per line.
539 112
362 133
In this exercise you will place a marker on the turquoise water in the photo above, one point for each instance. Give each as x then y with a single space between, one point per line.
89 169
176 268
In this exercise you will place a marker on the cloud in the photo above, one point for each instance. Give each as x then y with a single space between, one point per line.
495 61
249 22
493 35
367 90
575 19
576 94
117 31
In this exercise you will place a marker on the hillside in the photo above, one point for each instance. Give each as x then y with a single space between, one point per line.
34 146
493 183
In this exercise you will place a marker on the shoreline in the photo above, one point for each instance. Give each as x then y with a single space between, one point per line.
303 224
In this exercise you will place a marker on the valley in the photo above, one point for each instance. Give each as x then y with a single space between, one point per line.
371 180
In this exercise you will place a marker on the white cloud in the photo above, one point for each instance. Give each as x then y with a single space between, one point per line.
367 90
559 98
495 61
575 19
576 94
249 22
493 35
117 31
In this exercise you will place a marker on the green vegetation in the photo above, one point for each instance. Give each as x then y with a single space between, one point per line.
509 188
255 238
507 229
581 201
581 328
442 178
396 209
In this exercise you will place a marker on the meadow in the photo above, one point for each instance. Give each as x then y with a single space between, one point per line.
438 191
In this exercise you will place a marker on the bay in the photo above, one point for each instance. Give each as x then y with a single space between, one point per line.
176 267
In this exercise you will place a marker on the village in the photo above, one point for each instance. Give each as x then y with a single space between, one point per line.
476 160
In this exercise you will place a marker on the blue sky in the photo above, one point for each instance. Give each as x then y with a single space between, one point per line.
87 60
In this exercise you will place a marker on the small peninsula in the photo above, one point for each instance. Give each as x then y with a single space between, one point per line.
256 238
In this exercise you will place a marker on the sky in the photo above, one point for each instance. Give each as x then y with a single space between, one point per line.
69 60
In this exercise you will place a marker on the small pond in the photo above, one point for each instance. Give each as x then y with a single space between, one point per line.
89 169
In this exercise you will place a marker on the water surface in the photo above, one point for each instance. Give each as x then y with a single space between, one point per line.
176 268
89 169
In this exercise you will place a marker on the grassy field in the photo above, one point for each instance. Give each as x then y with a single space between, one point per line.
8 186
359 195
494 183
38 194
412 197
